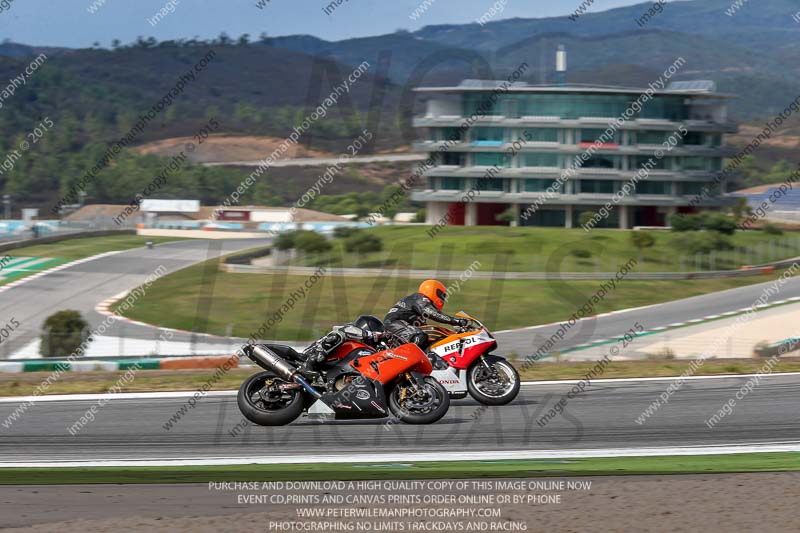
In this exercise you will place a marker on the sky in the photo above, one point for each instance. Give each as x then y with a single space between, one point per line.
70 23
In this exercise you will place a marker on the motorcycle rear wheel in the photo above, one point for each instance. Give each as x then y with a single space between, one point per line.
269 407
425 407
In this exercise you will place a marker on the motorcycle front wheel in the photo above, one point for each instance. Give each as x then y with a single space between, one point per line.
262 400
497 385
419 405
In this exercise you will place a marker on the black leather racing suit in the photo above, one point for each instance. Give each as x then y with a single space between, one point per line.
404 319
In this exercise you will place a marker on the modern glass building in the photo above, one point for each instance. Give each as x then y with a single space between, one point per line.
517 143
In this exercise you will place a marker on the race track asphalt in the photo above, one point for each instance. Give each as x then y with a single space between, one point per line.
528 340
83 286
602 417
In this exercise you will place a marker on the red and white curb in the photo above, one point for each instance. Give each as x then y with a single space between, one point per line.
22 281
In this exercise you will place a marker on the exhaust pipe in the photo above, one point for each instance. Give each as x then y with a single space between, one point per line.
267 359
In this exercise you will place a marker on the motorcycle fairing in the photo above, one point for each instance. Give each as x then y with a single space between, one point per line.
386 365
462 349
362 398
455 381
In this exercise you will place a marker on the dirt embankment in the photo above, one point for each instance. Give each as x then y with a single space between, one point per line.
225 148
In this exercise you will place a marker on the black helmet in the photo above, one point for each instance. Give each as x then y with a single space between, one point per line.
369 323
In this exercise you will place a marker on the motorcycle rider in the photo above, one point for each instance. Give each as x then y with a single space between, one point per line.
369 330
404 319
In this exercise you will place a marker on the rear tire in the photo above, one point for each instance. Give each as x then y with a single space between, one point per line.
424 410
279 409
498 387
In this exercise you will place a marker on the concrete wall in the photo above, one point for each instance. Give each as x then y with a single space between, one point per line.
200 234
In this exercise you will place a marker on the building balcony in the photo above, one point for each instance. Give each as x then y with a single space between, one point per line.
453 171
574 149
526 197
431 121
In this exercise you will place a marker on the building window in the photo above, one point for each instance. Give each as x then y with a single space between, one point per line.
651 137
692 188
490 184
491 159
451 184
482 135
693 138
665 107
512 108
541 185
693 163
453 159
654 187
480 104
543 135
540 160
554 218
596 186
651 162
601 161
451 134
591 135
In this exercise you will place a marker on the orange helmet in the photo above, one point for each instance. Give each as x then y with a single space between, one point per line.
435 291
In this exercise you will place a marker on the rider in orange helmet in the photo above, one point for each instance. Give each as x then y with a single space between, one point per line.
403 321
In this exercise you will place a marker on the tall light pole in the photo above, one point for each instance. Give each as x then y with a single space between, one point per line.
7 204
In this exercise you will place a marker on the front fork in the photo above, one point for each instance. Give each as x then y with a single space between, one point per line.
417 382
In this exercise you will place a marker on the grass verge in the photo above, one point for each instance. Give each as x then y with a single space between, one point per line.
604 466
189 380
537 249
243 302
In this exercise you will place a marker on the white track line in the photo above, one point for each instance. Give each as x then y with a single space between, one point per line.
223 393
405 458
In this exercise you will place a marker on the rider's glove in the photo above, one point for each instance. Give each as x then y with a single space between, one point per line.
463 322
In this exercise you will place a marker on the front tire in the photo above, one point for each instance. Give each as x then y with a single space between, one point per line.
262 403
497 385
423 407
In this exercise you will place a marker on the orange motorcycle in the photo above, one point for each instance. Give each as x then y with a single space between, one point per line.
353 379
